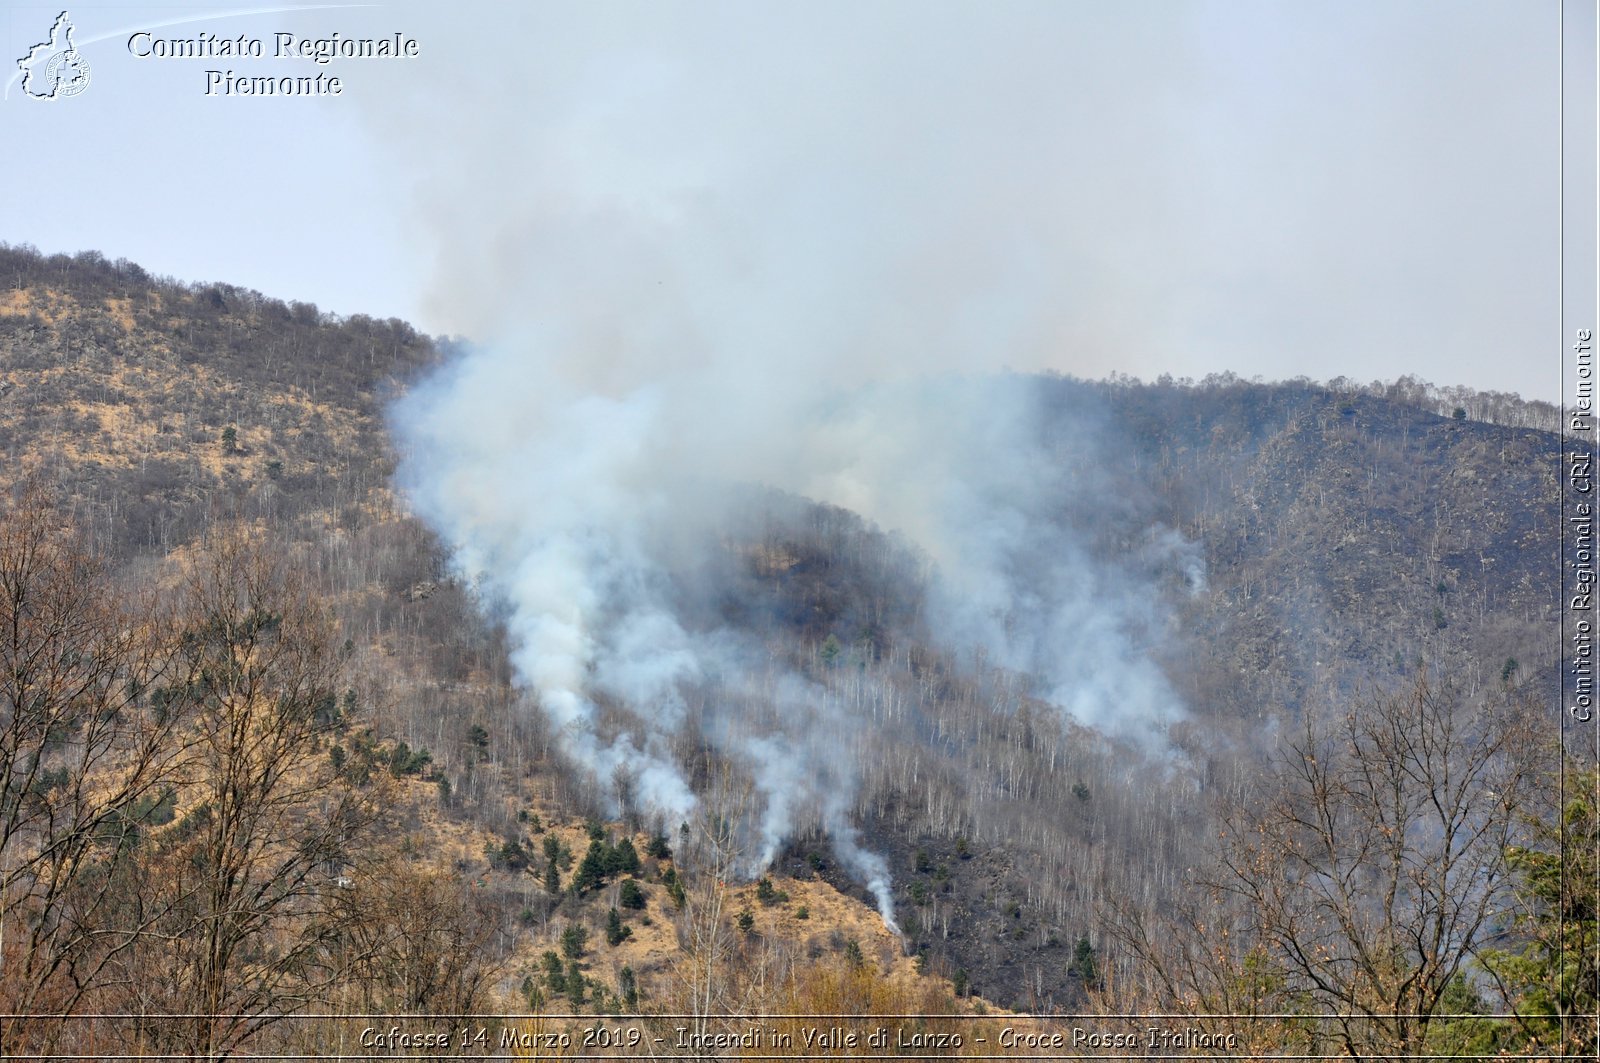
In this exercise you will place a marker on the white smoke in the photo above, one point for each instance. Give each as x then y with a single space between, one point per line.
1007 483
550 517
582 515
686 276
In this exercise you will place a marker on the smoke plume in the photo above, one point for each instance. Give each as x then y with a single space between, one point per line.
584 516
701 286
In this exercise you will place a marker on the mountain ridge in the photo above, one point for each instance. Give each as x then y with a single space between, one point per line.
1351 536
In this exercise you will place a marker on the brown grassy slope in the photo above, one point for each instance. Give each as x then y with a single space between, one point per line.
155 409
121 390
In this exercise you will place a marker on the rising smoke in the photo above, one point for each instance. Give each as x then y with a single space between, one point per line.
582 517
688 295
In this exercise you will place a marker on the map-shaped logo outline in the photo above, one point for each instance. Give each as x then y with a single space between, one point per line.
66 71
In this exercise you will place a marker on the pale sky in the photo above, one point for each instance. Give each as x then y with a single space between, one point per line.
1362 189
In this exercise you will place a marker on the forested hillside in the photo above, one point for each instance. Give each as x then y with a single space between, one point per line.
259 736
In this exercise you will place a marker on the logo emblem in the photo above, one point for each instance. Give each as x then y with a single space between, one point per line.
55 68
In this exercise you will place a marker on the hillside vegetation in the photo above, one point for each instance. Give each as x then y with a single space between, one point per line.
270 748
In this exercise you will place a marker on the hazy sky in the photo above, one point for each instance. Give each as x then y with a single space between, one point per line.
1277 189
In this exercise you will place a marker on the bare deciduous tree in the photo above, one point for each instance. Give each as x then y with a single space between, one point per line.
244 880
86 758
1377 870
411 939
